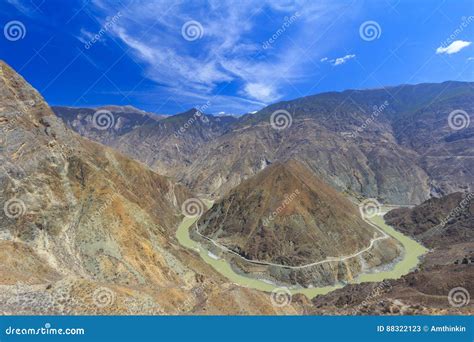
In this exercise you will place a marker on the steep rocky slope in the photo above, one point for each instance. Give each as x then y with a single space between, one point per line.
84 229
287 219
394 143
438 221
445 281
170 145
167 145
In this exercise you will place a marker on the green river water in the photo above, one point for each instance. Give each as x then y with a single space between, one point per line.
412 252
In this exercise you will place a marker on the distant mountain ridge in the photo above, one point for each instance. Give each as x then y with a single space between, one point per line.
121 120
393 143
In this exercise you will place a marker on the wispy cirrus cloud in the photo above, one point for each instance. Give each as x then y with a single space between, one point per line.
342 60
228 53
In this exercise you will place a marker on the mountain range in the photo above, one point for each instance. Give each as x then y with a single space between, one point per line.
395 144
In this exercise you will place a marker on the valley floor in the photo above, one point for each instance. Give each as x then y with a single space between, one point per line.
409 261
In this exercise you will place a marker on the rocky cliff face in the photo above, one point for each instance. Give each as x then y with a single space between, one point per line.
297 226
84 229
395 144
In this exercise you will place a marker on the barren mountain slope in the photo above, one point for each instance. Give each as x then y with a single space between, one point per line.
437 222
286 216
84 229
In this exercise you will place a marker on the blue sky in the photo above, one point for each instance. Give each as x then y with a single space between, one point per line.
233 57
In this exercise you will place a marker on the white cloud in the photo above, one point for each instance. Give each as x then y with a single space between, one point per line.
454 47
342 60
262 92
228 52
339 60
